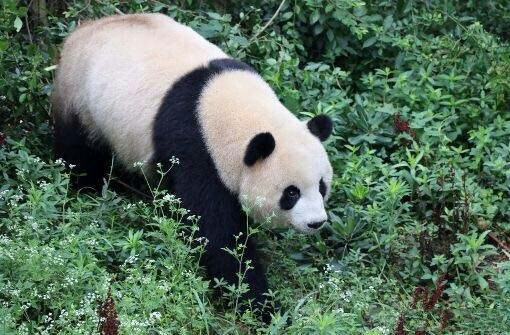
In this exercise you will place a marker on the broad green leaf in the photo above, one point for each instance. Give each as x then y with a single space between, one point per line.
18 24
369 42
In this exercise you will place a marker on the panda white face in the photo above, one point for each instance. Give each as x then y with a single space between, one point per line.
303 208
288 178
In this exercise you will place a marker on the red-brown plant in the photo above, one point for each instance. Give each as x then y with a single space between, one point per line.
108 318
402 126
399 330
421 294
438 293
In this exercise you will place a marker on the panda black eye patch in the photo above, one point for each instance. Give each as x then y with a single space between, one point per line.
322 188
290 197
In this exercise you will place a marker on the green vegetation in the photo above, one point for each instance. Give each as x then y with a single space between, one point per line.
420 211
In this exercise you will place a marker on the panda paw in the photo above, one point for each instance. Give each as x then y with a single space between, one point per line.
267 310
266 315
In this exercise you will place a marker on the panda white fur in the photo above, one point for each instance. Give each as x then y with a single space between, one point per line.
147 88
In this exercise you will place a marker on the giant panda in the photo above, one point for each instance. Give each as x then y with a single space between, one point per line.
145 88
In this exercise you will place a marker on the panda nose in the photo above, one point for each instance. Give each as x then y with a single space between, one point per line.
316 225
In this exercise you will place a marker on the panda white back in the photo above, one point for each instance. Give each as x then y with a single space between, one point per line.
114 72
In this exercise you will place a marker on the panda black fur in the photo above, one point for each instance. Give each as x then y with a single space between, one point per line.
146 88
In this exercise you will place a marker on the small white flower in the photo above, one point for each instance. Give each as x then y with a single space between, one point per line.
138 164
169 198
3 193
201 240
382 330
260 201
193 218
339 310
155 315
174 160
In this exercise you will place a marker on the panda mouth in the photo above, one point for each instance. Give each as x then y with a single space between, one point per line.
316 225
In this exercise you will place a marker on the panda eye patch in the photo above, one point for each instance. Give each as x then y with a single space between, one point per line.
292 191
290 197
322 188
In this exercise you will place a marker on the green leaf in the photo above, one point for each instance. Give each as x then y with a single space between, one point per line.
214 16
18 24
330 35
4 44
399 60
287 16
158 7
297 256
369 42
315 17
50 68
483 283
388 21
317 29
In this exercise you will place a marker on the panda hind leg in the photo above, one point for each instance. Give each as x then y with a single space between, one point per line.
91 160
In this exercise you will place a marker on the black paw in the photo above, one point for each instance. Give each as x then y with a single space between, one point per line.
266 315
267 310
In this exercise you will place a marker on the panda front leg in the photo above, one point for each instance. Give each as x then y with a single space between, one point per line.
221 221
239 266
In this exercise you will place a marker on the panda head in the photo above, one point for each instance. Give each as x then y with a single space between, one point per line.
287 175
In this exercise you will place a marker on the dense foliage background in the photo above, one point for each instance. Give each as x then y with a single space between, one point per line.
420 212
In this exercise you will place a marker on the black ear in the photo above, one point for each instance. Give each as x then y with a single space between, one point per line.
321 126
260 146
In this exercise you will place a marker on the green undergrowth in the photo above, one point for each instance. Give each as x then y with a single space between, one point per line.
419 234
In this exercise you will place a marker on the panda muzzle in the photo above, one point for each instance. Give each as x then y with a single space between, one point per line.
316 225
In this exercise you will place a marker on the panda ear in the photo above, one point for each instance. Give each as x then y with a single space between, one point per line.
260 147
321 126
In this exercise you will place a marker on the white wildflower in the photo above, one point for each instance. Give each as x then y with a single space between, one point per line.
174 160
138 164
